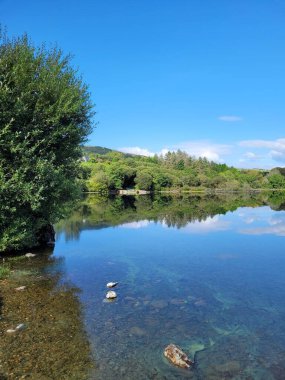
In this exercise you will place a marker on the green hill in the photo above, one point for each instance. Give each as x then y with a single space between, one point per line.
96 150
109 170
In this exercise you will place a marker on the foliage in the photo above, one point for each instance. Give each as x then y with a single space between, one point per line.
45 115
98 183
175 171
144 180
276 181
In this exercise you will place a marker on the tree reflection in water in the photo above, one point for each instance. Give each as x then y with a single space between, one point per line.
96 212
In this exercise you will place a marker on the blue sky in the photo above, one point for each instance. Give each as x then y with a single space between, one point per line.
199 75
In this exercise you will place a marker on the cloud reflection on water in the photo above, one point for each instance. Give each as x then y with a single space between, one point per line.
267 223
136 225
210 224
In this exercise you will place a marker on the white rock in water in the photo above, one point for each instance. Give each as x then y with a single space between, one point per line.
111 295
30 254
112 284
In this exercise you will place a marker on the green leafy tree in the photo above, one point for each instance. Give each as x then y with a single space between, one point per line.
98 183
276 181
180 165
162 180
144 180
45 116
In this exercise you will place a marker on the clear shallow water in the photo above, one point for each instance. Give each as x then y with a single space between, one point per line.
214 287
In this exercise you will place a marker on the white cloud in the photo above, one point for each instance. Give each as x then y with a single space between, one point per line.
277 156
250 155
211 151
212 156
270 144
276 147
164 151
262 153
206 149
230 118
137 150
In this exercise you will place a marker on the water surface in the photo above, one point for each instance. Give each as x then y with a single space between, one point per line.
204 273
190 272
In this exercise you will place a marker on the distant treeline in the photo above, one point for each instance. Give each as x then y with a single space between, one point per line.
105 170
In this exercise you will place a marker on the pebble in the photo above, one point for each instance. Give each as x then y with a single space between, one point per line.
135 330
111 294
112 284
21 288
30 255
10 331
20 327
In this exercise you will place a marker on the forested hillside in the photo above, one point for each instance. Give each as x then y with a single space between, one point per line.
106 170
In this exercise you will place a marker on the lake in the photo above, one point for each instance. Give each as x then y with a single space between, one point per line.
204 273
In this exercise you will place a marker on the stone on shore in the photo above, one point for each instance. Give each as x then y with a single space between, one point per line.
177 357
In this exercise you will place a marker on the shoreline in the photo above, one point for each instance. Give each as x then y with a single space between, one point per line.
191 191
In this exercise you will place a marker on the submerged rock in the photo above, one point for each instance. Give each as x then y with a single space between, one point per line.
178 301
111 295
21 288
177 357
20 327
11 331
130 299
159 304
200 302
135 330
112 284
